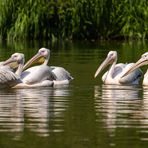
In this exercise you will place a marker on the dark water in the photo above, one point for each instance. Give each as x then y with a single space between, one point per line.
85 114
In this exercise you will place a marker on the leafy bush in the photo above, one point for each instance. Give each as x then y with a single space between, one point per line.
73 19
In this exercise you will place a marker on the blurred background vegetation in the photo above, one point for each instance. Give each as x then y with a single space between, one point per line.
73 19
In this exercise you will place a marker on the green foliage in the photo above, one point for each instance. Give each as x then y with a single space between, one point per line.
73 19
135 24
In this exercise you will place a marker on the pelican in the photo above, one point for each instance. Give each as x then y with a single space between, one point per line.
9 70
43 72
141 62
14 79
7 76
116 71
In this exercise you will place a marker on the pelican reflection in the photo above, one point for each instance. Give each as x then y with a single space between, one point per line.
34 109
144 113
115 103
11 113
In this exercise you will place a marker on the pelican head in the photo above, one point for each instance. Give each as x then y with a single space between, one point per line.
16 61
141 62
42 56
111 57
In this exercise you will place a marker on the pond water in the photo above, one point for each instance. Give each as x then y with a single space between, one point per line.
85 114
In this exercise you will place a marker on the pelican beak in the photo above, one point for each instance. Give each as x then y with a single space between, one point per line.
141 62
12 63
104 64
37 59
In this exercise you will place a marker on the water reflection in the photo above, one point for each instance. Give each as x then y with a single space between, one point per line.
11 113
33 109
144 113
120 106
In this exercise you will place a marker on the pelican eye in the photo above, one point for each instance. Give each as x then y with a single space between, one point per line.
111 55
145 56
14 56
42 51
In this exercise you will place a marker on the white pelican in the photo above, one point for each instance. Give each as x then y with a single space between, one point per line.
116 71
141 62
43 72
14 80
7 76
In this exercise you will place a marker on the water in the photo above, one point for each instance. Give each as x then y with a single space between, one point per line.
85 114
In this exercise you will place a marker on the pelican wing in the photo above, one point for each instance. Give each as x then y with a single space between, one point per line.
8 78
118 69
60 74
